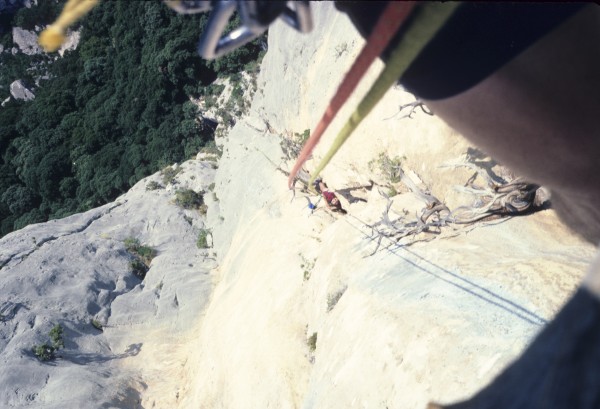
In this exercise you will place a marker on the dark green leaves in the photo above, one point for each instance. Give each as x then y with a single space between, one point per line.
106 114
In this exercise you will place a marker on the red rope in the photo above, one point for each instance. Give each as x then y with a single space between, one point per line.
388 24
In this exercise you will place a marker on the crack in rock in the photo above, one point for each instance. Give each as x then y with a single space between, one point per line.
51 238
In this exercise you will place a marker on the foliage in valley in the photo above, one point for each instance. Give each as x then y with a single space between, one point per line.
105 115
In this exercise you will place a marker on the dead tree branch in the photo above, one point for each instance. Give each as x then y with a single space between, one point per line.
495 200
412 106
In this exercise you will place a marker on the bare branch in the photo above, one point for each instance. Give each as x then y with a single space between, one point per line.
495 200
413 108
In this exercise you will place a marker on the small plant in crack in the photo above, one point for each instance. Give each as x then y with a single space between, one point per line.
168 174
142 257
153 185
311 342
202 242
307 266
334 298
47 352
391 168
190 199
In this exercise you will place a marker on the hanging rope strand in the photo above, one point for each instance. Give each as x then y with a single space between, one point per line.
388 24
54 36
426 24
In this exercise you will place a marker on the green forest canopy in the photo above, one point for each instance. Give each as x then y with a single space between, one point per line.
111 112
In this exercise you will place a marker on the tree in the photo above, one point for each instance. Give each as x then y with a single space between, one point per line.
19 199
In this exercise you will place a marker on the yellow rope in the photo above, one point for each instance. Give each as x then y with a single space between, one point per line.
426 24
54 35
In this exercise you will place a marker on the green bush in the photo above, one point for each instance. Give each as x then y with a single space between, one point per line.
168 174
138 268
142 257
202 241
145 253
333 298
131 244
153 185
312 342
301 138
188 199
56 335
292 146
203 209
307 266
44 352
211 94
391 168
211 148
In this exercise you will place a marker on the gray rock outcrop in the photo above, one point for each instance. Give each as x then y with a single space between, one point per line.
76 272
70 43
19 91
27 41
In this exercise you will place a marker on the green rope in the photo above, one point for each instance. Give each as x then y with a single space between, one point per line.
430 19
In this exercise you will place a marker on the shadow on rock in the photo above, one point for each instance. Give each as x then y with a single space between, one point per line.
84 359
128 398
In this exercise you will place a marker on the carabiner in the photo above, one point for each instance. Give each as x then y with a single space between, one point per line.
255 15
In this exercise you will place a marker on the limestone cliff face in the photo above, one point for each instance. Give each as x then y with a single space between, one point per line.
290 308
303 315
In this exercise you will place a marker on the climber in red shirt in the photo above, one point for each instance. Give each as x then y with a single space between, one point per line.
331 199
